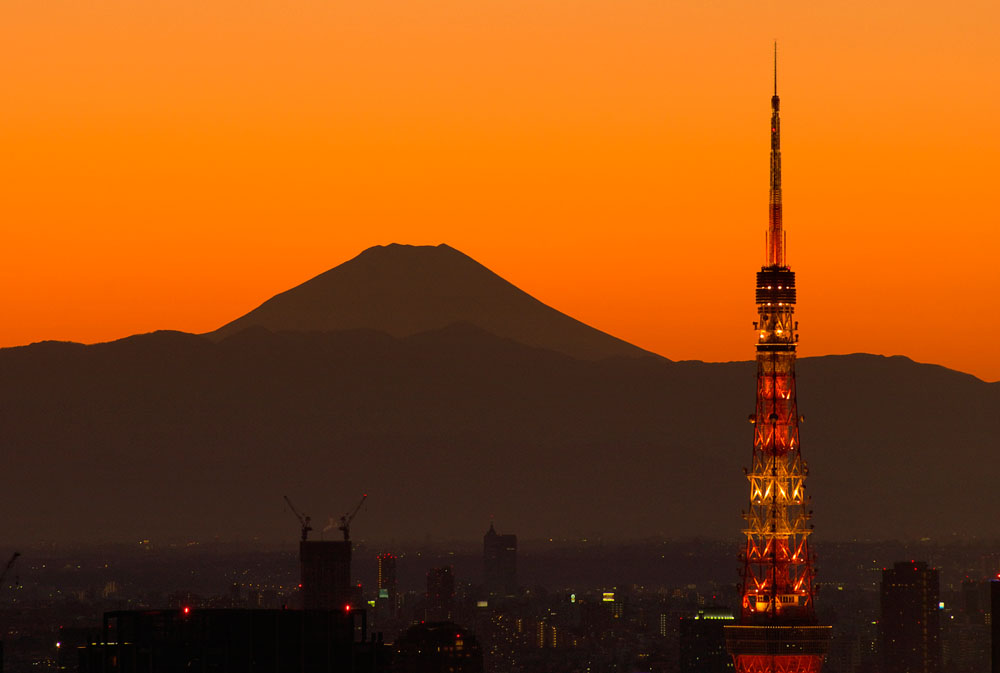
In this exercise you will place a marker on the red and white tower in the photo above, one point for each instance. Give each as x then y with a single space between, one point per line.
777 631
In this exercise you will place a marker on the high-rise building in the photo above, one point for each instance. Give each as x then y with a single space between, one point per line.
974 593
386 580
440 594
499 563
326 574
387 602
995 624
777 629
702 642
965 630
909 626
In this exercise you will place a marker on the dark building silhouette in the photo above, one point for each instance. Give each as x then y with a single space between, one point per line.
70 641
702 642
995 624
909 628
440 594
973 610
234 641
326 574
440 647
965 631
499 563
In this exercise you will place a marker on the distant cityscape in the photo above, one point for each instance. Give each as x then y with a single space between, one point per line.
536 606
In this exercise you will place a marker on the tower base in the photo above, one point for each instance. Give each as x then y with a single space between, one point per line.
778 649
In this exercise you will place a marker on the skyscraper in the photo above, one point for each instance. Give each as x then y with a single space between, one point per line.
909 627
326 574
499 563
995 625
440 594
386 580
777 629
387 599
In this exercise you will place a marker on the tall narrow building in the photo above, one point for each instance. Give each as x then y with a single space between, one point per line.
387 603
777 629
386 579
909 628
499 563
995 625
440 594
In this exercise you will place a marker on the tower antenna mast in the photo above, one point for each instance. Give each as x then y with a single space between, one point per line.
775 234
777 631
775 67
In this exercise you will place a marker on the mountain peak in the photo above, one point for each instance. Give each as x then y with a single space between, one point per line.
408 249
407 289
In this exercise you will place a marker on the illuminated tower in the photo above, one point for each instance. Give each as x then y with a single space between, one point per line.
777 630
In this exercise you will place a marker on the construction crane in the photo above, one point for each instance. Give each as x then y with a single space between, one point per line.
10 564
345 521
304 520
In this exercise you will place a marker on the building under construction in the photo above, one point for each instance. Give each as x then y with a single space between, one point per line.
326 565
777 630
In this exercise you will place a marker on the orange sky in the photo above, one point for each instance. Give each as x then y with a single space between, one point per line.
173 163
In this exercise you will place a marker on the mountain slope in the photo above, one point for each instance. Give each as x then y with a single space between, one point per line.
403 290
448 395
170 435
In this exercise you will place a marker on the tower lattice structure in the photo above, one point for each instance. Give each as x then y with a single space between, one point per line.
777 631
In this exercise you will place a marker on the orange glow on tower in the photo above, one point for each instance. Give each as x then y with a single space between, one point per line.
777 631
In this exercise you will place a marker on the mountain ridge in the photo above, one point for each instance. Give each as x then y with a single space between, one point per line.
170 435
174 435
403 290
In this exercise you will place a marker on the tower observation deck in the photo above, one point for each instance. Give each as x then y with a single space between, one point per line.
777 631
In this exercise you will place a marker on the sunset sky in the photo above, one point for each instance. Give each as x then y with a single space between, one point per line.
170 164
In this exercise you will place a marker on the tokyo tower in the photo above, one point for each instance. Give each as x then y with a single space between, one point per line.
777 631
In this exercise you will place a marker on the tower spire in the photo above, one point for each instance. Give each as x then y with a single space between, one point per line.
778 630
775 234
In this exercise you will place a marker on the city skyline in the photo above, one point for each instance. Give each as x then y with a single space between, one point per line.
171 168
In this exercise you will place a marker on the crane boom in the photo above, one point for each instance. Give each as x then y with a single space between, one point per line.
345 521
304 520
10 564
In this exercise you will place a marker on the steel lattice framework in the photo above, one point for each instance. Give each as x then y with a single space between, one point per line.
777 631
789 663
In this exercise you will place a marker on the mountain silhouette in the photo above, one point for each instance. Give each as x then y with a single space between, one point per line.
174 436
403 290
